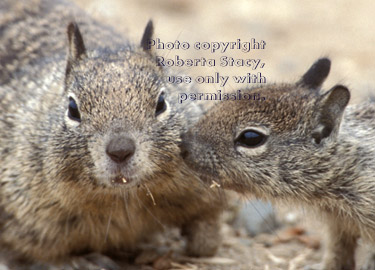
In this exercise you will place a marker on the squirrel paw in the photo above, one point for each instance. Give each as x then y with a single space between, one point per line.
203 238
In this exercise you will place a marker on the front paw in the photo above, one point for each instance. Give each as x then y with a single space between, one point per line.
203 238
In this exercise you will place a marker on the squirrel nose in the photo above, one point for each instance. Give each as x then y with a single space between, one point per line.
120 149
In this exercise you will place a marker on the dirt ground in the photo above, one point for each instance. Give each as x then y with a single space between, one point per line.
296 34
294 245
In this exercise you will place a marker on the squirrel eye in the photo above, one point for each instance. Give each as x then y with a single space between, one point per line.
73 112
250 139
161 106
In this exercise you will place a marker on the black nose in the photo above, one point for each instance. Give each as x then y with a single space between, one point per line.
120 149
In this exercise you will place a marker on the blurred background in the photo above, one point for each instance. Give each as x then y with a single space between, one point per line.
296 33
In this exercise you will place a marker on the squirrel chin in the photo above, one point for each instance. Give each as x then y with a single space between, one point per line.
120 179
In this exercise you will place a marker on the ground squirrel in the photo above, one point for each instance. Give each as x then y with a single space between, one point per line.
89 141
298 145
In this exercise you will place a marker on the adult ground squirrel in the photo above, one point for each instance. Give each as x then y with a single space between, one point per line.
298 145
89 141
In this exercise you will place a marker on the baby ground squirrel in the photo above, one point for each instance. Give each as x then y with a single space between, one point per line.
299 146
90 159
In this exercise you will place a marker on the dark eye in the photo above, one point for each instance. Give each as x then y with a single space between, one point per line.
250 139
161 106
73 111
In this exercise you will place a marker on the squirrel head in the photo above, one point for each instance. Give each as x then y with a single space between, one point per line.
250 145
117 110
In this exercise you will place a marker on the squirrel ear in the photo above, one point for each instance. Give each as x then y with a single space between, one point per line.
77 50
147 36
316 74
331 109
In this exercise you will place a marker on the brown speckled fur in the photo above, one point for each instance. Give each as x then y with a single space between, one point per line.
56 195
318 153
